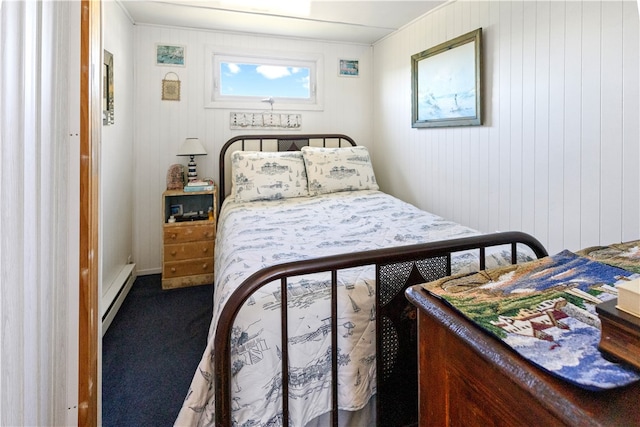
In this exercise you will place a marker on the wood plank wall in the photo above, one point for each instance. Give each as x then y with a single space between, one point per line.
161 126
558 154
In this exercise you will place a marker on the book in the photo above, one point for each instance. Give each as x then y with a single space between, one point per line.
199 183
629 297
193 188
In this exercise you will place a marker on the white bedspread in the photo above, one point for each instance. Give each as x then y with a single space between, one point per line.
254 235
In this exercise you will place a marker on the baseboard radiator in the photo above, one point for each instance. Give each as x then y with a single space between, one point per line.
113 299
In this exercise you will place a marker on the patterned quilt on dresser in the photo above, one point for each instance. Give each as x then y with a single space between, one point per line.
545 309
254 235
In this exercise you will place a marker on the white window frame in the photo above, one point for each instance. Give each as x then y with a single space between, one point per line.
215 56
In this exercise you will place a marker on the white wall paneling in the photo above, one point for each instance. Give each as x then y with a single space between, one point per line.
611 161
116 162
39 112
572 137
557 105
630 120
591 125
161 126
557 156
69 224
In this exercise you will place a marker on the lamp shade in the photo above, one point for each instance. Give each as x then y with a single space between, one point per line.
192 147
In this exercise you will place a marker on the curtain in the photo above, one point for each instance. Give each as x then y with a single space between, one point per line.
35 311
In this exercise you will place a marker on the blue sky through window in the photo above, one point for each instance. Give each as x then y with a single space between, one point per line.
238 79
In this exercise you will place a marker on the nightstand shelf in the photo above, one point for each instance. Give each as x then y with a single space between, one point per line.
188 243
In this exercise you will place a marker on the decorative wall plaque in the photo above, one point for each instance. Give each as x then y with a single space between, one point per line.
171 88
265 120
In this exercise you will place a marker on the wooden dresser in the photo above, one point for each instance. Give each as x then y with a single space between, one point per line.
469 378
188 243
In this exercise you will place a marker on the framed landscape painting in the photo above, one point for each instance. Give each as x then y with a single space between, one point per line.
170 55
348 68
446 83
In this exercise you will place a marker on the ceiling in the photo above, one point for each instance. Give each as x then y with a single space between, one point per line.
358 21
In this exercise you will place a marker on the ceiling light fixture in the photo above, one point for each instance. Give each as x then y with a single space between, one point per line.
276 7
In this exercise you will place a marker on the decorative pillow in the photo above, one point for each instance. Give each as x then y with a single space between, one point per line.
330 170
261 175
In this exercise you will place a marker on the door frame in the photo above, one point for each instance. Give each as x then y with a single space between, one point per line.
90 134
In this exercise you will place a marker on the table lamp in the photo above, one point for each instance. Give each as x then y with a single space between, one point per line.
192 147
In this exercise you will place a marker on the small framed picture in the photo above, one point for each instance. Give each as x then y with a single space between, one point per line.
348 68
176 210
170 55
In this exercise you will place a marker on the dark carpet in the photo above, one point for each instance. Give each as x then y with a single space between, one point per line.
151 351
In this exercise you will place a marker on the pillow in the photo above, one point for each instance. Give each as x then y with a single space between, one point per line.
330 170
261 175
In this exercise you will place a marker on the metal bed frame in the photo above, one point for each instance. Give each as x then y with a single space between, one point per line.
396 335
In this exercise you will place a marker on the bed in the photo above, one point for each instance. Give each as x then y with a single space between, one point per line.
304 226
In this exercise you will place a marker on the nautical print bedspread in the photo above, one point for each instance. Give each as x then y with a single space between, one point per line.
254 235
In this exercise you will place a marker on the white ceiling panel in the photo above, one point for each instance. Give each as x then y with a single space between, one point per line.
357 21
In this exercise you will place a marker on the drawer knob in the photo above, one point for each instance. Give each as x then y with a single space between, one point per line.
204 266
173 236
173 252
173 269
205 250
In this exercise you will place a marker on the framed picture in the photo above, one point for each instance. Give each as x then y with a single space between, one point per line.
446 83
170 55
176 210
107 89
348 68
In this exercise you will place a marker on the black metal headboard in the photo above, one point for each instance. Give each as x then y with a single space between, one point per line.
289 142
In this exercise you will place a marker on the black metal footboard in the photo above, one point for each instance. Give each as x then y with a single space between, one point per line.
396 269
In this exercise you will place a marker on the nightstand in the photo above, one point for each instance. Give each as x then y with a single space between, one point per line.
188 243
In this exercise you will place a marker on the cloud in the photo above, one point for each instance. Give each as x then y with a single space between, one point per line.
304 82
233 68
273 71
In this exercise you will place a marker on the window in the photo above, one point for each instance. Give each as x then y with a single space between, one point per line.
251 80
256 79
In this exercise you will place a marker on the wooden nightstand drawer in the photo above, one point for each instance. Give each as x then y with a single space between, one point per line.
182 251
189 232
187 268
